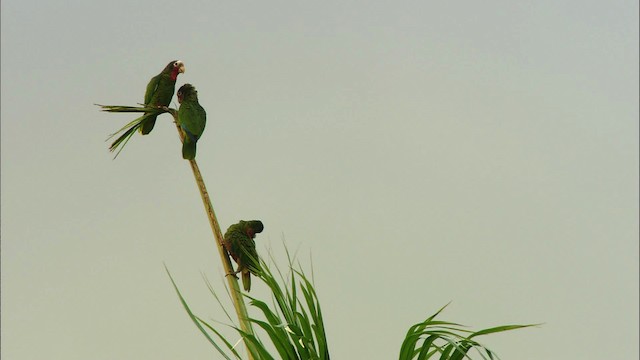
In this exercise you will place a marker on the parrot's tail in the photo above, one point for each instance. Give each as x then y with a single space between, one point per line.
246 280
148 125
188 149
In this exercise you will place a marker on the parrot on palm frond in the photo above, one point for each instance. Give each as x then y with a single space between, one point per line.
238 241
156 99
160 91
192 119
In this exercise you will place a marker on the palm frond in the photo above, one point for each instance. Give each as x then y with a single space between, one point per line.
197 321
431 337
125 108
292 324
130 129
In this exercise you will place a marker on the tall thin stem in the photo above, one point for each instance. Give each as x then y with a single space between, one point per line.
236 295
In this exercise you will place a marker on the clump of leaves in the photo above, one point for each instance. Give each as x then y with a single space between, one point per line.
292 322
432 338
295 328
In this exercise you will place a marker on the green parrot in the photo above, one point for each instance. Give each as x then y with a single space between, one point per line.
238 240
160 91
192 119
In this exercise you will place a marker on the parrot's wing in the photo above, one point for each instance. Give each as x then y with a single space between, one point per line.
233 244
152 86
249 254
202 120
192 119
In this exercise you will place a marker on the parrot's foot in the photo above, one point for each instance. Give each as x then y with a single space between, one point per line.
233 274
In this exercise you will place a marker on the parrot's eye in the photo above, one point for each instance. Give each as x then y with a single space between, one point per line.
175 64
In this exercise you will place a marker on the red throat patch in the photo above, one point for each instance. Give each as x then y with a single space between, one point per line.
174 73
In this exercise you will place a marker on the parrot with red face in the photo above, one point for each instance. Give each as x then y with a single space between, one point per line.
160 91
238 241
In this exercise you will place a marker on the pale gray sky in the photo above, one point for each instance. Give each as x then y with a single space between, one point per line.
484 153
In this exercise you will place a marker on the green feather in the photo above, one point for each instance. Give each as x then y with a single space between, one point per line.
188 149
151 88
246 280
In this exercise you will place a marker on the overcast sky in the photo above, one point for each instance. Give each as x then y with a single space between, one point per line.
421 152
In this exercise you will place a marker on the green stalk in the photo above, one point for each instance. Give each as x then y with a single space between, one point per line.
236 295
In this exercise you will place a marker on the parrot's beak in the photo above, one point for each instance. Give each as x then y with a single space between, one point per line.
181 68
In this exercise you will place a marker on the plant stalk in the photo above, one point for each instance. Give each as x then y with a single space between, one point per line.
236 295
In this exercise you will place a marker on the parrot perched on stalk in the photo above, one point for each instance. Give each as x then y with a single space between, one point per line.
238 240
192 119
160 91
